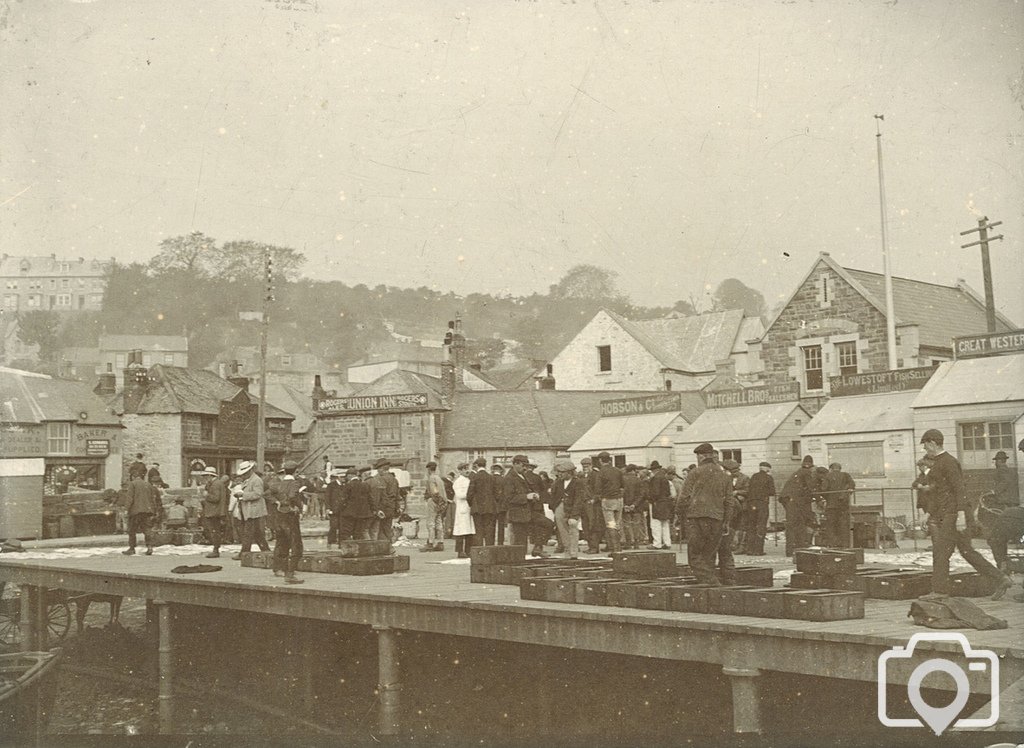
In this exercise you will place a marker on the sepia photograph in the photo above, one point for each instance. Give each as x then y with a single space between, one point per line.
512 373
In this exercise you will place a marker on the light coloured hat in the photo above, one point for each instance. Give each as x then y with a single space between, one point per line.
244 467
210 470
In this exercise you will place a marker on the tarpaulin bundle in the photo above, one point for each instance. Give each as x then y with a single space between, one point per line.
953 613
197 569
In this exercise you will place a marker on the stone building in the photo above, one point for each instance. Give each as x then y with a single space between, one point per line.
62 284
673 353
834 324
183 418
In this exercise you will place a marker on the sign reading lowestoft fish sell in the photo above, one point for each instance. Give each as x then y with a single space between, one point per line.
638 406
409 401
879 382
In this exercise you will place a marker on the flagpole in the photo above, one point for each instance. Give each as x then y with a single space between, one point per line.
890 313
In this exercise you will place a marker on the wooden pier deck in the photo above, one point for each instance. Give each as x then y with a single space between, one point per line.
439 598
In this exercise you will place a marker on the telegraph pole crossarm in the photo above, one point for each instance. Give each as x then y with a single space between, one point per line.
986 265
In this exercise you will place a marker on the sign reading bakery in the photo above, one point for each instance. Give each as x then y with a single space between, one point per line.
990 344
638 406
410 401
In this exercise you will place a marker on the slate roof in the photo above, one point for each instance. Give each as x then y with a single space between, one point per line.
143 342
995 379
10 266
623 432
941 312
512 376
737 424
399 382
693 343
27 397
863 414
543 419
176 389
290 400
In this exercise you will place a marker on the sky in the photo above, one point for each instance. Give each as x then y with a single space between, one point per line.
490 145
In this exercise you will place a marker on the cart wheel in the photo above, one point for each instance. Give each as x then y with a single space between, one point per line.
58 620
10 620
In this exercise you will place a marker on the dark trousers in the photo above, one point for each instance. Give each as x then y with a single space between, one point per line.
252 532
500 522
837 528
139 523
703 537
537 531
757 527
380 529
945 539
726 562
354 528
333 528
798 527
595 524
463 543
287 542
214 527
485 525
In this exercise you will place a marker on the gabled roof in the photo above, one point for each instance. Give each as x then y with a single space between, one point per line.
995 379
395 351
290 400
738 424
542 419
863 414
940 312
399 382
624 432
27 397
692 344
176 389
512 376
10 266
143 342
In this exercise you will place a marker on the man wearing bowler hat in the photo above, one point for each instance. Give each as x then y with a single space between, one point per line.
707 492
946 494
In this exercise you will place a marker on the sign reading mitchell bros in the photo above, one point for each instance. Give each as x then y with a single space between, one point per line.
757 395
878 382
638 406
374 402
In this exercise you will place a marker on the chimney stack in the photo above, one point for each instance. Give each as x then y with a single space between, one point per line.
136 382
236 378
318 391
107 384
547 382
448 368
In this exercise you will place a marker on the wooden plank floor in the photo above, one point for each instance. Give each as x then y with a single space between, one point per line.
439 597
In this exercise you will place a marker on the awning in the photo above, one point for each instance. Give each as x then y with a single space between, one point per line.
995 379
737 424
624 431
860 414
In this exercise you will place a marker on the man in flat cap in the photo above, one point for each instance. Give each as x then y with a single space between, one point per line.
608 487
500 521
836 489
659 497
567 499
595 517
798 500
483 502
633 506
333 492
214 507
707 491
359 518
525 510
437 506
948 500
755 514
286 495
586 475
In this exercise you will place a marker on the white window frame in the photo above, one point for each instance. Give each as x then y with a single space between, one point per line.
58 438
803 349
63 300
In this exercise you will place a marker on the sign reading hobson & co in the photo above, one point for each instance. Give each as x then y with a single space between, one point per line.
990 344
764 394
879 382
409 401
668 402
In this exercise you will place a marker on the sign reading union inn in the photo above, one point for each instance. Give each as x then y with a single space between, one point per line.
410 401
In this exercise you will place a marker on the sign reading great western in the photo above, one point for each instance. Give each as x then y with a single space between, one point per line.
638 406
409 401
990 344
878 382
757 395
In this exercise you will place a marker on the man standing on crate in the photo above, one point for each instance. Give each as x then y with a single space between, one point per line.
286 495
946 494
835 490
706 492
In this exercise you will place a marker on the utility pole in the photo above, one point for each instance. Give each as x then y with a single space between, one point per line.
986 265
261 425
890 309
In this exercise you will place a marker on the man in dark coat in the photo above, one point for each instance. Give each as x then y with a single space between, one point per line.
333 492
946 494
707 491
568 496
215 508
633 505
286 495
798 499
755 512
608 486
527 523
141 500
595 517
660 498
836 488
356 508
501 520
483 504
737 495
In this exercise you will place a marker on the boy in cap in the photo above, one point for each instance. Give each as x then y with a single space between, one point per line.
947 500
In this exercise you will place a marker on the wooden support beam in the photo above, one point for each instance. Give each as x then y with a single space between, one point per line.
746 700
29 595
165 664
389 684
309 659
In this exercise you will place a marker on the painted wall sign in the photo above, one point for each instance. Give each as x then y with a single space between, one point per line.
877 382
637 406
990 344
97 447
409 401
22 441
759 395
